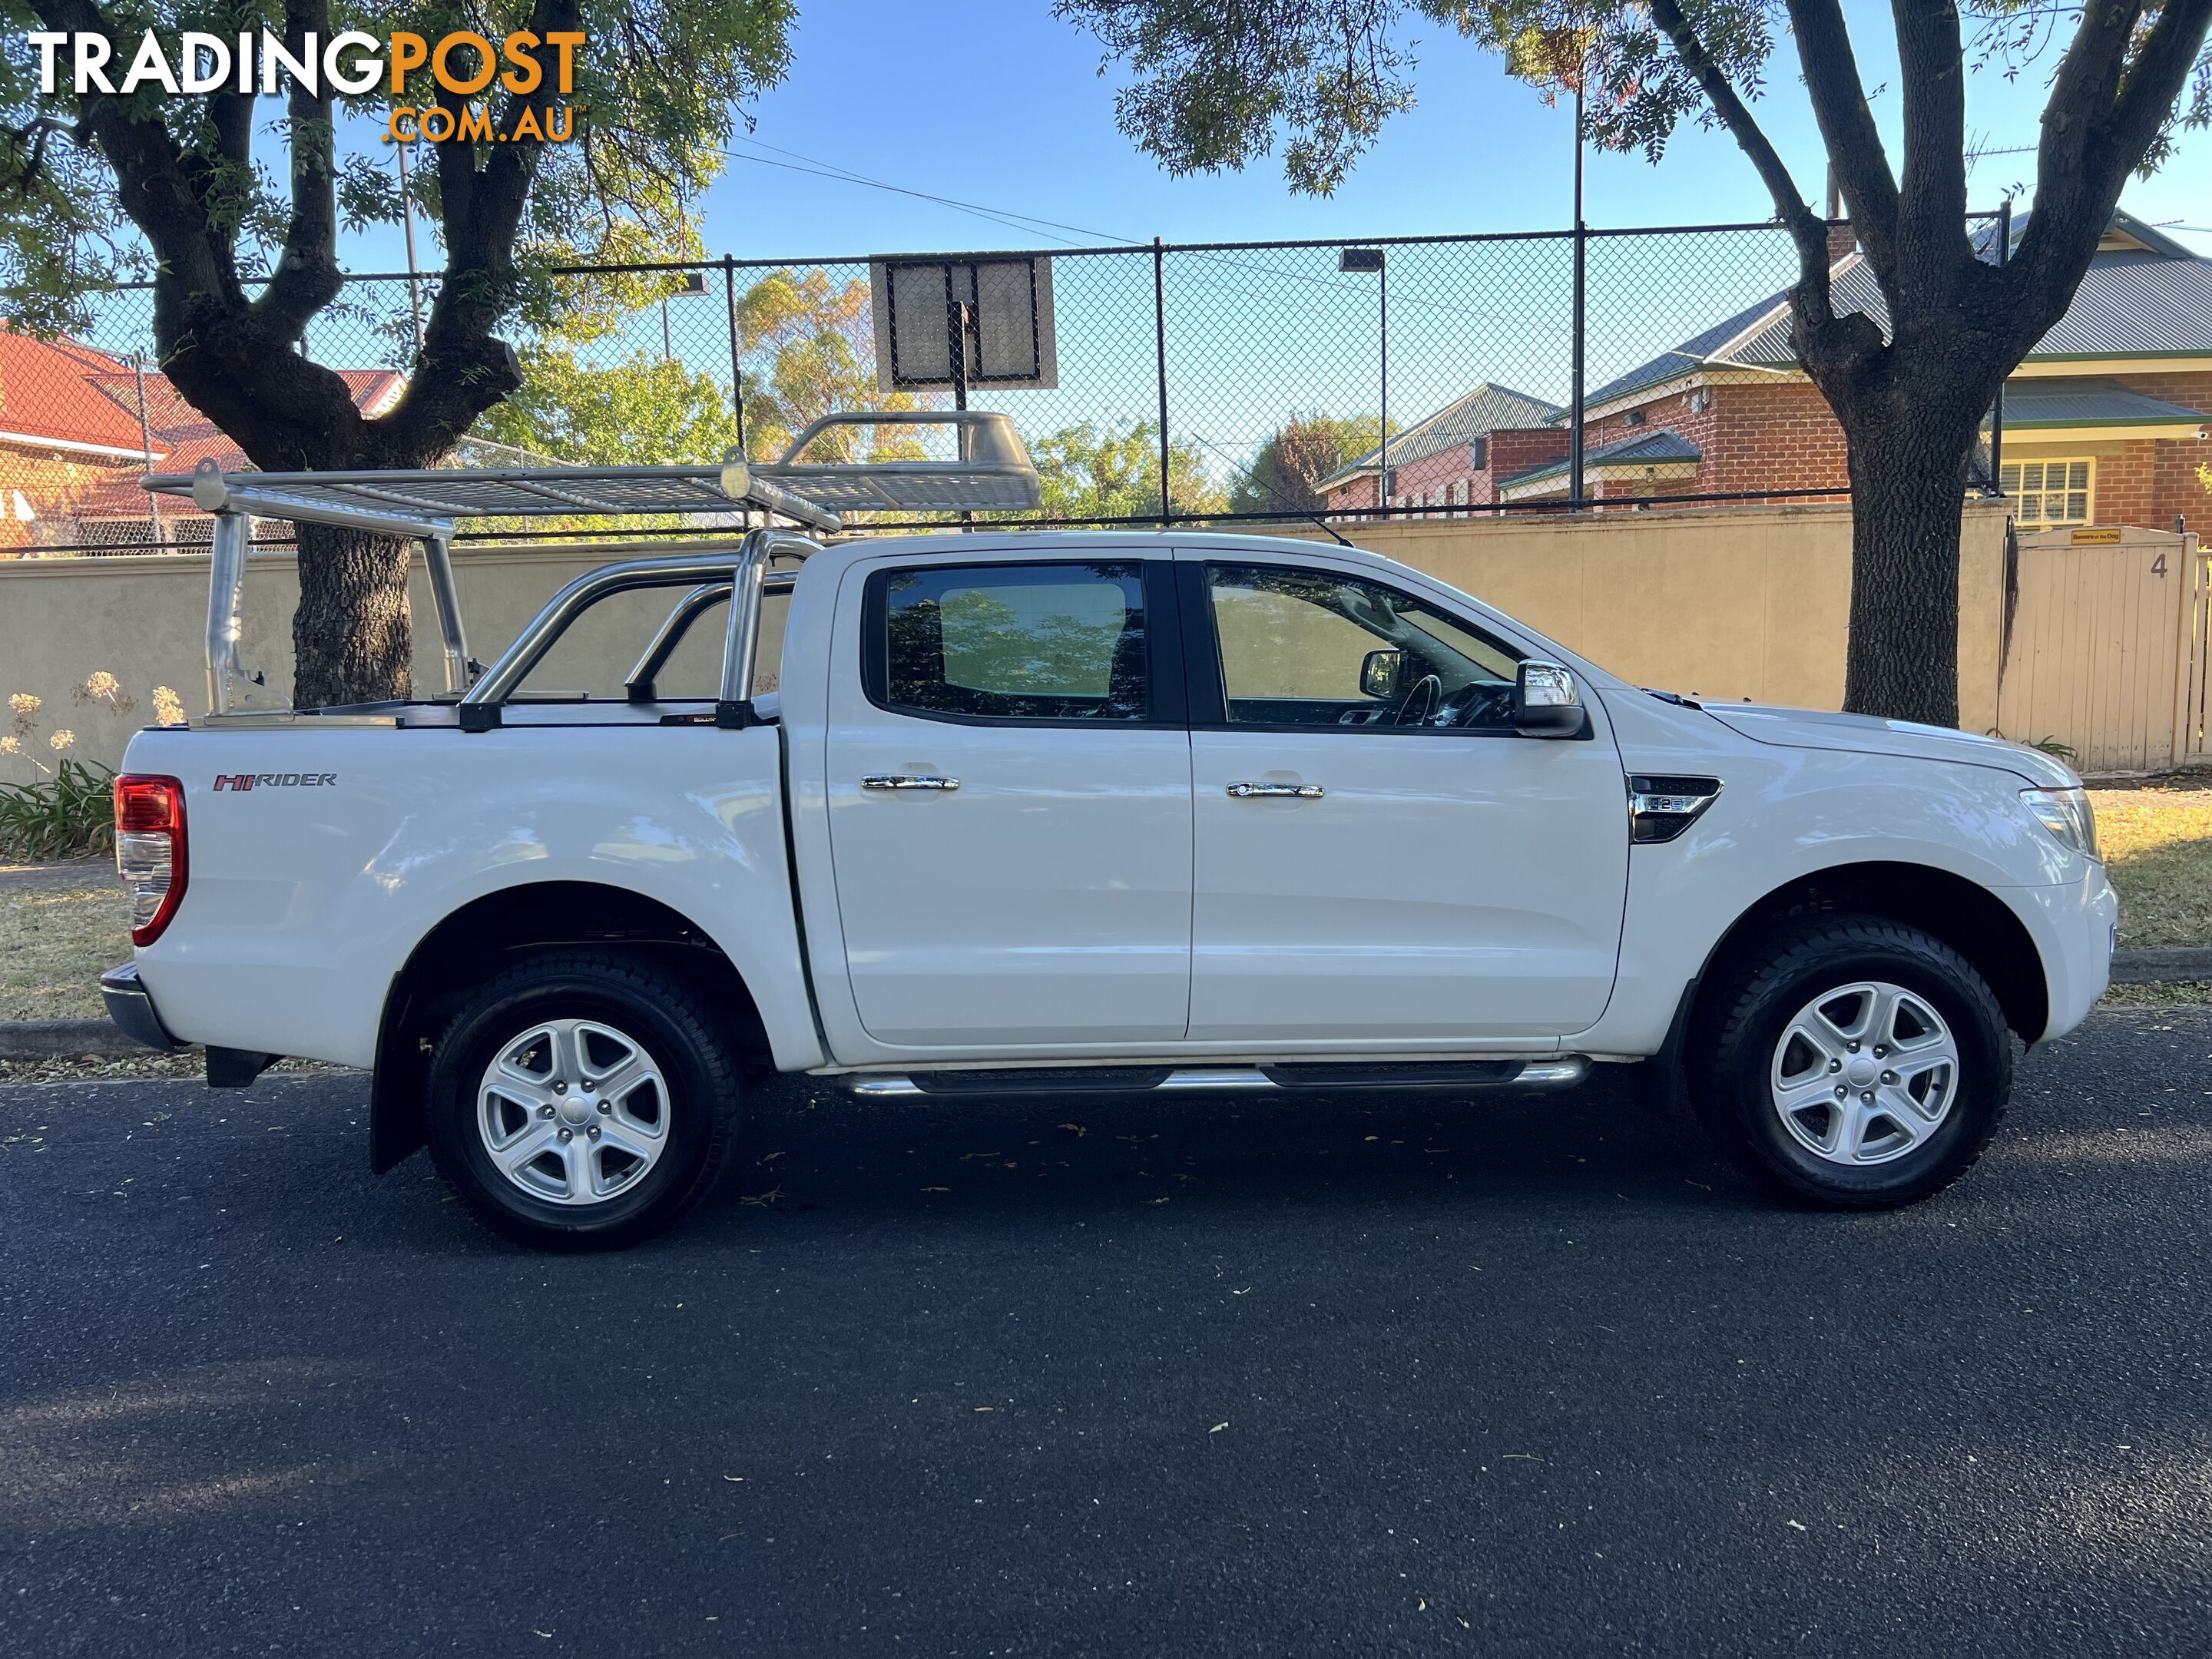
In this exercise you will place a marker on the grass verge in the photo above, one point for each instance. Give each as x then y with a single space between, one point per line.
55 945
2158 848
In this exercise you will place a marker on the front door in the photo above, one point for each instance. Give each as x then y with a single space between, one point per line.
1380 856
1009 824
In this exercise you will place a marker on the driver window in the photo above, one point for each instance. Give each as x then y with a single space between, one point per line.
1310 647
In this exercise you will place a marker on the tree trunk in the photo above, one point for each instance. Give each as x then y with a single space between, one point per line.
1908 486
352 638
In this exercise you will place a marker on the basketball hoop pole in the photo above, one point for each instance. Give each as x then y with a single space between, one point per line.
958 321
959 317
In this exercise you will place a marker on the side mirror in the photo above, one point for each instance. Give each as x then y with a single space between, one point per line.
1546 703
1380 672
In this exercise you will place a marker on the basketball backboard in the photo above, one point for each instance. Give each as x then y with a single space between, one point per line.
999 306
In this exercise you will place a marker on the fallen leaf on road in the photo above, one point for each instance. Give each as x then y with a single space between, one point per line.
1800 1525
1155 1201
733 1477
1217 1428
1075 1128
937 1189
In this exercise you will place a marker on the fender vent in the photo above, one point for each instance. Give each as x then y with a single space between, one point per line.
1661 806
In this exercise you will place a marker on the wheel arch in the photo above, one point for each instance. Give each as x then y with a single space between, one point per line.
1964 914
468 944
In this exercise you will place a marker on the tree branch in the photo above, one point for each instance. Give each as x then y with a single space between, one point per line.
2084 164
2154 80
463 371
1805 227
1847 126
1931 217
2083 91
307 275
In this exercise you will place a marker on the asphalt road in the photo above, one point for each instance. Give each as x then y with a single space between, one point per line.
1369 1376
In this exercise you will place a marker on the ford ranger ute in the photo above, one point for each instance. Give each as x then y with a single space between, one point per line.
1012 811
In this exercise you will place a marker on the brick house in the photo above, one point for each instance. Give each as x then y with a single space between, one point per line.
73 446
1456 455
2105 420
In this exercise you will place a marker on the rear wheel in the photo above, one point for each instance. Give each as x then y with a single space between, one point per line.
1856 1061
583 1100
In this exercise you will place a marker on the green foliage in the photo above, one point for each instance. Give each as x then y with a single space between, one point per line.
809 347
641 411
1213 86
1090 473
1300 452
657 83
70 814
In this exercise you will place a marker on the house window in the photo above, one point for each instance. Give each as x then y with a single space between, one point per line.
2050 492
1634 418
1478 454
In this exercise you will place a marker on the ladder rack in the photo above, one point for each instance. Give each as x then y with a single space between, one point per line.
993 474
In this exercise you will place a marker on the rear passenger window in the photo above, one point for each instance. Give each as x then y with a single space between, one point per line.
1026 643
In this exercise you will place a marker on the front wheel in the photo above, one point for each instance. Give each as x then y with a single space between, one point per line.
1856 1061
583 1100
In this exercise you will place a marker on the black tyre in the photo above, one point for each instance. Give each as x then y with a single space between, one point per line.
1855 1061
583 1099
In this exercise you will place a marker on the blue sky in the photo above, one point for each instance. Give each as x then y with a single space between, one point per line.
997 103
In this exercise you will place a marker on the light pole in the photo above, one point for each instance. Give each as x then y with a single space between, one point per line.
414 279
1372 258
1582 246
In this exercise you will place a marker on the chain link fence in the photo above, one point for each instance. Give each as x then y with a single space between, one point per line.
1195 382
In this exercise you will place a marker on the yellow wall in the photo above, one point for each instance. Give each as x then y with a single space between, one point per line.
1728 602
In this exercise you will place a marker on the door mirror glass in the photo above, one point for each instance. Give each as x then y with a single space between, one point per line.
1546 703
1380 672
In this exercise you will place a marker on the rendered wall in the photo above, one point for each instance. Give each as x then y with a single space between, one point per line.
1729 603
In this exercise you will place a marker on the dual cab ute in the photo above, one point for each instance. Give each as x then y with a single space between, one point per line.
1016 812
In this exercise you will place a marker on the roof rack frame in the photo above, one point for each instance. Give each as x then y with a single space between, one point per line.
993 473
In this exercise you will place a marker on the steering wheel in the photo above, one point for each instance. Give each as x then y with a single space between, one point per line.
1421 703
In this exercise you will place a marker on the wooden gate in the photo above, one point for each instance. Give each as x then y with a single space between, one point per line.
2105 649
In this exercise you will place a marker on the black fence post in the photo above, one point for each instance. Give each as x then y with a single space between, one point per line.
1160 349
1996 408
1574 389
737 367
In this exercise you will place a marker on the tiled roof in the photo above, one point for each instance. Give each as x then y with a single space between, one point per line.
1684 359
1486 408
47 391
183 437
2069 402
2152 300
1643 449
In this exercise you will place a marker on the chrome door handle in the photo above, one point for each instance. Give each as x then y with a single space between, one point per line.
908 781
1293 790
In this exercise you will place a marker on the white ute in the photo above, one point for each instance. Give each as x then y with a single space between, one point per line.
1022 811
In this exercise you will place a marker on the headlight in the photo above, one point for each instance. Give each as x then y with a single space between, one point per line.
2067 814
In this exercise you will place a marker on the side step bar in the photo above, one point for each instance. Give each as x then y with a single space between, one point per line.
1452 1075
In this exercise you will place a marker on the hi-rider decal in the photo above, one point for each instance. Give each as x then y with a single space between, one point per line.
242 781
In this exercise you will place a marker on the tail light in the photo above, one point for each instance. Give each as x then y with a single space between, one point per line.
150 850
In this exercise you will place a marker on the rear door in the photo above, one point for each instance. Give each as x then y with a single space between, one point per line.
1381 859
1010 805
